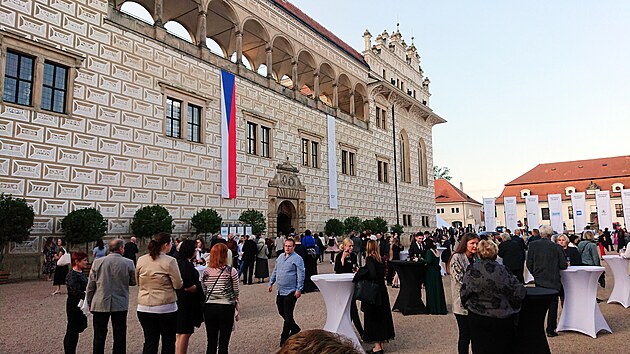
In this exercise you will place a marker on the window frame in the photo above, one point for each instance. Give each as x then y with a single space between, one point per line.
53 88
252 141
619 210
190 132
187 98
172 119
264 134
545 214
382 167
18 80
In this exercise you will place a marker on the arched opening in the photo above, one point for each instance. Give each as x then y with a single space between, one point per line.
186 14
360 102
326 84
221 25
286 216
215 47
405 171
281 57
344 90
422 164
306 70
138 11
255 39
178 30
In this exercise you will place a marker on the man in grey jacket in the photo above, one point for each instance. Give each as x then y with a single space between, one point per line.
108 296
545 259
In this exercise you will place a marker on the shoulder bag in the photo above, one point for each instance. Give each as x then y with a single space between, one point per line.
366 290
65 259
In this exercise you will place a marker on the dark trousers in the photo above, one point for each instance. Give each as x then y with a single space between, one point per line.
119 330
390 272
156 325
463 341
248 271
484 337
77 323
286 305
219 320
552 315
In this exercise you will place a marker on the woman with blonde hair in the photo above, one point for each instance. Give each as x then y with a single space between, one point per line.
378 322
346 262
220 286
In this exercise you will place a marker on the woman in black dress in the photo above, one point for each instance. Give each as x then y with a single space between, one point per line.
50 250
77 321
61 272
378 322
189 297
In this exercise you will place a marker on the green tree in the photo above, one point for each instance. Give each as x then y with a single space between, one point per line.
84 226
206 221
256 219
151 220
16 220
376 225
353 223
398 229
334 226
442 172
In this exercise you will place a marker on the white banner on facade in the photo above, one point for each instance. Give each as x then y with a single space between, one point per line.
578 201
625 201
332 163
531 204
488 211
555 212
510 212
604 214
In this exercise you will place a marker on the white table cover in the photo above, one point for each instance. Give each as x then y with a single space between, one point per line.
621 289
200 269
337 290
527 275
404 255
581 312
442 267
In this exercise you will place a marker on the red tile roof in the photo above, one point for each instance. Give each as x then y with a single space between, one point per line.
553 178
445 192
315 26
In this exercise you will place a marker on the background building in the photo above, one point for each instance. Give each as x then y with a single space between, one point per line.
565 178
456 207
100 109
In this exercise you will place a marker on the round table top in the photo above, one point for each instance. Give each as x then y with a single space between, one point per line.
584 269
613 256
534 291
334 277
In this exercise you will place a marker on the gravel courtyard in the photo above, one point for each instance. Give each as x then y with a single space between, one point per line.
33 321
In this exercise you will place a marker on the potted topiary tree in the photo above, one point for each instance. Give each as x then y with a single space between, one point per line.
353 223
84 226
334 227
376 225
150 220
16 220
256 219
398 229
206 221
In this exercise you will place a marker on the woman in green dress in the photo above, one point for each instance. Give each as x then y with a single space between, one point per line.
436 303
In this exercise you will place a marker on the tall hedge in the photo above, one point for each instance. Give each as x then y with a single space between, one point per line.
151 220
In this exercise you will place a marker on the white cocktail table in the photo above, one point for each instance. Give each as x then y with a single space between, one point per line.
442 268
200 269
621 288
337 290
404 255
580 311
527 275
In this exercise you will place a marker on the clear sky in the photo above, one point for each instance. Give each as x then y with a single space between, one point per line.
519 82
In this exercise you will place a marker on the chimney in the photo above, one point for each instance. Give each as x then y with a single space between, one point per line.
461 186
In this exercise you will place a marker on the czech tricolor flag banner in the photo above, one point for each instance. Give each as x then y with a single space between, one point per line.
228 135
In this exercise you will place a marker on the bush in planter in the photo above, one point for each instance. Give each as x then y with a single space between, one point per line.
84 226
206 221
376 225
16 220
398 229
353 223
256 219
151 220
334 226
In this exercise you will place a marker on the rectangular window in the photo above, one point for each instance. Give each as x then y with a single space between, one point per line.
305 152
351 164
457 210
18 78
344 162
264 141
385 169
619 210
54 87
173 117
378 117
404 219
570 210
545 213
383 119
251 138
194 123
409 220
314 154
452 210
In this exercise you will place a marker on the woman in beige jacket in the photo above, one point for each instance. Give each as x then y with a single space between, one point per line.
157 275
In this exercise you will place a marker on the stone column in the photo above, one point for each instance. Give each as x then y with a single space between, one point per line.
269 63
294 73
201 27
366 111
157 16
239 47
335 96
316 85
352 112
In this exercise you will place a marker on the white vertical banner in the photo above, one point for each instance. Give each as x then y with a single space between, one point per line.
578 201
604 214
555 212
531 203
488 211
625 201
510 212
332 163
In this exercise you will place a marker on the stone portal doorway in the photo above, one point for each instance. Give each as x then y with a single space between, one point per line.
287 205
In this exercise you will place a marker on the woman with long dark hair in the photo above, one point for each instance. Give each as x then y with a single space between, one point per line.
436 303
77 321
157 276
100 250
463 256
50 249
189 297
378 326
220 287
61 272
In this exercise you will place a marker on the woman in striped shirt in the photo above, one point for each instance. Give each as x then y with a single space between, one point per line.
220 286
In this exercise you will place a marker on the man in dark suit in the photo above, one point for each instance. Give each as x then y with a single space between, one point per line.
513 254
417 249
249 257
535 236
131 249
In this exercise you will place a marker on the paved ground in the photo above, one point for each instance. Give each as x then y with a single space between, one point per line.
32 321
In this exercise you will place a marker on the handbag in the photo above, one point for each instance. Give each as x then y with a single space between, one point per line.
65 259
367 291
